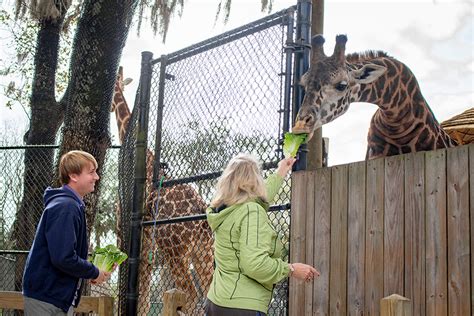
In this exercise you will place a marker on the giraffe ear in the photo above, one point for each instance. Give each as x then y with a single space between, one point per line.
304 79
127 81
368 73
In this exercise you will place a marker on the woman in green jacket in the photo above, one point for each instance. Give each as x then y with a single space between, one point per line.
247 250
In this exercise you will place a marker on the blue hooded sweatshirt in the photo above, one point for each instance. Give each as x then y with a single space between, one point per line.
58 256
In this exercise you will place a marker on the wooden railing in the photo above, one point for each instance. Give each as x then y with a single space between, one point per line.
101 305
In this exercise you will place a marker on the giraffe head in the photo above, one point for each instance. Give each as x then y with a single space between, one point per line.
120 84
330 84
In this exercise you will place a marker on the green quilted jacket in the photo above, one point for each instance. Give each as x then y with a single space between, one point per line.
247 254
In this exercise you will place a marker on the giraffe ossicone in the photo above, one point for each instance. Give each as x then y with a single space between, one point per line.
403 122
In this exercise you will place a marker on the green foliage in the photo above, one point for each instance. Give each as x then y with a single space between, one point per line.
227 5
105 219
198 148
11 186
18 64
105 258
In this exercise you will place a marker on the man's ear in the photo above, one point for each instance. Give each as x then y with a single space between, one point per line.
368 73
73 177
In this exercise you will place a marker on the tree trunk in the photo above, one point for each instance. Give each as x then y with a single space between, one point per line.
46 117
99 40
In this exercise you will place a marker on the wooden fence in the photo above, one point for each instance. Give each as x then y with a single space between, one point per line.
399 225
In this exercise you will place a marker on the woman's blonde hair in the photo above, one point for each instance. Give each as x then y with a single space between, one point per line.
240 182
73 162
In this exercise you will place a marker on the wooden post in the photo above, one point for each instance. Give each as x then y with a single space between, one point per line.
173 302
316 145
395 305
106 306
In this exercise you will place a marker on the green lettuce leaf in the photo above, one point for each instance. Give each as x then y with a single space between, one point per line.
105 258
291 143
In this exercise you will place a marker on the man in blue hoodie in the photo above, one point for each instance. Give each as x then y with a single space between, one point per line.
57 264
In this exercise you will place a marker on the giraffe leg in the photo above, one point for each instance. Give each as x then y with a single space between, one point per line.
201 255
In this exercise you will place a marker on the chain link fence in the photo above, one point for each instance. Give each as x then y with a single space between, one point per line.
208 102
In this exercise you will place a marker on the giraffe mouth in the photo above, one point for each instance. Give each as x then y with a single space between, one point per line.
301 128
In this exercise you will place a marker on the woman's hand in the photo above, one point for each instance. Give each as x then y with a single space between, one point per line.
303 271
284 166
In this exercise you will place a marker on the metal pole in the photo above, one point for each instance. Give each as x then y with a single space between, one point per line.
303 42
159 120
139 185
289 51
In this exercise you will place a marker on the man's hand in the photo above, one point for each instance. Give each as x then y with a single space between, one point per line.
103 277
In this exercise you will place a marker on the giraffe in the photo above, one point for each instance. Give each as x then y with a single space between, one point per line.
403 122
119 104
176 243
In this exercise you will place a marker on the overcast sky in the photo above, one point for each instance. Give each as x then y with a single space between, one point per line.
433 37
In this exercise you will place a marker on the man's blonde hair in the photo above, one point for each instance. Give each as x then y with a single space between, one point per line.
74 162
240 182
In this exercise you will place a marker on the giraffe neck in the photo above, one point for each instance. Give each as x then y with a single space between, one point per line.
122 112
404 121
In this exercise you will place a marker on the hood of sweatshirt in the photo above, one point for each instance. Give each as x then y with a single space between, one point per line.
52 193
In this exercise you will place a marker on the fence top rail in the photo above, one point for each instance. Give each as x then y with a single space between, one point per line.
227 37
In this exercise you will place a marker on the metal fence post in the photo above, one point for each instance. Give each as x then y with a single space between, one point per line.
159 120
303 49
289 52
139 185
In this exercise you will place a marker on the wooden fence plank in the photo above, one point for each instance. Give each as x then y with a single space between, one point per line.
406 226
458 232
297 240
338 260
356 239
393 226
436 253
415 231
374 236
322 240
471 213
308 309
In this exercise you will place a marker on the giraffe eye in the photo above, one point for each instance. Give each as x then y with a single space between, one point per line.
341 86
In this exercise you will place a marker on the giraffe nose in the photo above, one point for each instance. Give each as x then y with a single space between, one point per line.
308 119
